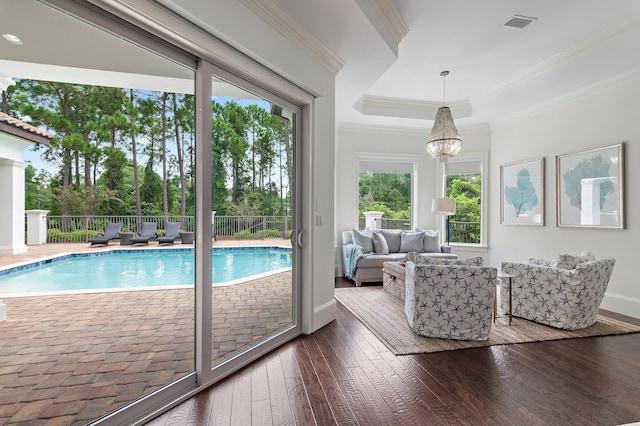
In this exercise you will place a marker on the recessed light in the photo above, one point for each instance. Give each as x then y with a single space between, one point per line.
12 39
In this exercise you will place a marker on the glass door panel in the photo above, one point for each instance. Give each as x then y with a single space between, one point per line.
252 197
117 322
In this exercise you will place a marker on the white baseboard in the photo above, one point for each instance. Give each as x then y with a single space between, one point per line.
621 304
324 314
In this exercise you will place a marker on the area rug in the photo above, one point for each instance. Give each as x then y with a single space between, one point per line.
384 316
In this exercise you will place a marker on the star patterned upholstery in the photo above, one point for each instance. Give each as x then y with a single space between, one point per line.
562 298
453 301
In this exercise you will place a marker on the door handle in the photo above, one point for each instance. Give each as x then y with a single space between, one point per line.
300 238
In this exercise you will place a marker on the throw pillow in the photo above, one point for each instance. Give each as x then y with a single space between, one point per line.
568 261
379 243
411 241
363 240
431 241
392 237
538 261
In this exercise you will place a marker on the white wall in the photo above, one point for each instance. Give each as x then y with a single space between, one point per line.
353 142
602 116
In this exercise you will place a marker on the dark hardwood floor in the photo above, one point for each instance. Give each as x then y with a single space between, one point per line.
342 374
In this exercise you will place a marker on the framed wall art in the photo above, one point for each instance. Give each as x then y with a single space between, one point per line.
590 188
522 193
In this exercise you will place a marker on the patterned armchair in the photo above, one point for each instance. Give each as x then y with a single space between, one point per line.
450 301
565 293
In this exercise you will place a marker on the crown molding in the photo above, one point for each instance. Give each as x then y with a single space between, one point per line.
282 22
409 108
391 18
386 20
581 48
570 98
414 131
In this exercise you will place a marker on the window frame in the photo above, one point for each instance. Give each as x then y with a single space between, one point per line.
483 158
385 160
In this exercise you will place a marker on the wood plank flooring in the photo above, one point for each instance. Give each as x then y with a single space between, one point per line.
342 374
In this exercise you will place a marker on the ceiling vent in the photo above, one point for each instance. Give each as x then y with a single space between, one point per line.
519 21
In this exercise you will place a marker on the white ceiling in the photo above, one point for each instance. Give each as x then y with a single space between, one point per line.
495 71
391 68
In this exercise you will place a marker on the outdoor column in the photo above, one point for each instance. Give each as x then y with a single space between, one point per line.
12 207
36 227
373 220
213 228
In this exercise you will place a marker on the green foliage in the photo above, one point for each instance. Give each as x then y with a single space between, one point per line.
385 192
466 189
258 235
79 202
100 130
78 236
37 196
594 167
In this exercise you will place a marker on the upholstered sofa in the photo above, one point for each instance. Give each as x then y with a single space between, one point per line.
450 299
364 252
563 293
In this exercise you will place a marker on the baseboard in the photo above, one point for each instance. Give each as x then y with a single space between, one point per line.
324 314
621 304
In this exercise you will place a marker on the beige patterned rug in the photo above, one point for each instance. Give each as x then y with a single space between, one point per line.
383 314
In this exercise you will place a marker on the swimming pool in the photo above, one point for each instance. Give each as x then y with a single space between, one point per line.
135 269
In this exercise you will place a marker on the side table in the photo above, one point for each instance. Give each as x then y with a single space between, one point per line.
125 238
502 276
186 237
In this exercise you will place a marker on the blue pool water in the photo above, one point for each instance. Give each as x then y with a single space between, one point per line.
138 268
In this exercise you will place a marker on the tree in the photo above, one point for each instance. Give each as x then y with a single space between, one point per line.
522 196
386 192
36 183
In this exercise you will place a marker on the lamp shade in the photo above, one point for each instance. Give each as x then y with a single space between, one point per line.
443 206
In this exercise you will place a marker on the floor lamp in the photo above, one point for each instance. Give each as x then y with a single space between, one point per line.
445 207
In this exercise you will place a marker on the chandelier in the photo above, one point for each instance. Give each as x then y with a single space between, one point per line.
444 141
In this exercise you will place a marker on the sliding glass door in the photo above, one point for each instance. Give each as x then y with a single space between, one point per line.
149 133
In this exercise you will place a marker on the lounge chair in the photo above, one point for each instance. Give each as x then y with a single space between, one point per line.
147 232
111 233
172 232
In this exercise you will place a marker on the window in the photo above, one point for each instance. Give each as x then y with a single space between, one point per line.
463 181
386 185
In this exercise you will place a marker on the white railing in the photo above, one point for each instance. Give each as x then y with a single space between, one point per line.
78 229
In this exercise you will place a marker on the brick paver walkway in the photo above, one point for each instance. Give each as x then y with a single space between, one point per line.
69 359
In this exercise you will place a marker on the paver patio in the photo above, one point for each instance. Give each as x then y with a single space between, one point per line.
69 359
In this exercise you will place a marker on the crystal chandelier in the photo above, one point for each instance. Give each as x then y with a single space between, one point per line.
444 141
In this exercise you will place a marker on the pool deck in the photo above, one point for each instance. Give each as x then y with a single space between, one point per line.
72 358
